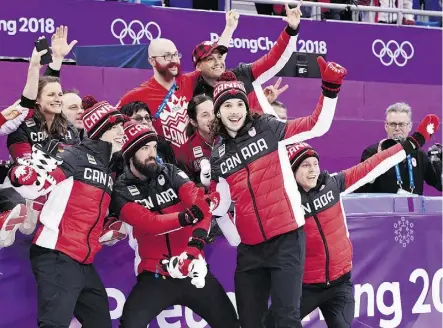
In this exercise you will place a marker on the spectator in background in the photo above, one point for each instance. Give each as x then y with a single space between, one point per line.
139 113
73 109
409 175
200 138
280 109
391 18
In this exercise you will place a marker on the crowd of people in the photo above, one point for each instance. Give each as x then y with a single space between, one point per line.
85 173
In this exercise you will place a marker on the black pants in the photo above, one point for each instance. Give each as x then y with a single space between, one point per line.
151 295
66 287
273 268
9 198
336 302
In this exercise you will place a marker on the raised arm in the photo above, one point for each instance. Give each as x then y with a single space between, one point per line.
358 175
232 18
319 122
60 49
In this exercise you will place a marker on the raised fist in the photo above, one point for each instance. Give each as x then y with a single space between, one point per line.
427 127
332 74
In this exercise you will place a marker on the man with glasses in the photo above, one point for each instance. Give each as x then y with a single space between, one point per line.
168 92
410 175
139 113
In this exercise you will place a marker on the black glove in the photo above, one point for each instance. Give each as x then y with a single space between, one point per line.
190 216
434 153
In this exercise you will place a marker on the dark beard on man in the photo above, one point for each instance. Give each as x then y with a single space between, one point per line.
149 170
163 70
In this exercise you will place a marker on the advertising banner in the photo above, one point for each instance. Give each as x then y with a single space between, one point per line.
370 52
397 272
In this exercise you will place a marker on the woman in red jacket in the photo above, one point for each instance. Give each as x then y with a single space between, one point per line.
43 95
327 276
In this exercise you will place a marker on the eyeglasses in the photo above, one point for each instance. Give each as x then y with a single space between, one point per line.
140 118
400 125
169 57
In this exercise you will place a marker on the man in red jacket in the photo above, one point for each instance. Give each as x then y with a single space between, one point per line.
269 218
72 219
170 217
168 92
327 278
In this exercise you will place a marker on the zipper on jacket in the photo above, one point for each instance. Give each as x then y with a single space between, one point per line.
168 242
255 205
323 237
92 228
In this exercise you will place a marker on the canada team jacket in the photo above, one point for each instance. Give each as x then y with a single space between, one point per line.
192 153
72 218
151 208
20 142
255 74
328 248
255 162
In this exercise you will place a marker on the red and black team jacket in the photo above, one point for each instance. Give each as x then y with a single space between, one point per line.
266 204
72 218
328 248
255 74
192 153
29 133
151 207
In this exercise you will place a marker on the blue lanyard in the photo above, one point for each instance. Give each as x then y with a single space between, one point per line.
411 175
165 101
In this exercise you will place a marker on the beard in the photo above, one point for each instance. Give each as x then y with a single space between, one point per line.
164 71
149 170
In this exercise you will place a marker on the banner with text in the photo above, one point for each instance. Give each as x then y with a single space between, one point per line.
369 52
397 275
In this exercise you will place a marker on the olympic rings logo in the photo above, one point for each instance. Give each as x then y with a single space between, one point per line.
136 30
392 52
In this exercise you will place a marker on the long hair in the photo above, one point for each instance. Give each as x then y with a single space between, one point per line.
59 126
192 112
219 130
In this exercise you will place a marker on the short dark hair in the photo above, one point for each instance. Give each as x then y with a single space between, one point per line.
278 104
192 112
74 91
133 107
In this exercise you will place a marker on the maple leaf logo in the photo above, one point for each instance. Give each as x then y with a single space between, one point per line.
430 128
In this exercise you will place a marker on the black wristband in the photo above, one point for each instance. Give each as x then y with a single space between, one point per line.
182 219
27 103
291 31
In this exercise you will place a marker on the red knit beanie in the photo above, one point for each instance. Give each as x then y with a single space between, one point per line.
298 152
228 87
99 118
136 136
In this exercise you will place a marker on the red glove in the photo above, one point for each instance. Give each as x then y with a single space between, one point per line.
427 127
332 75
21 175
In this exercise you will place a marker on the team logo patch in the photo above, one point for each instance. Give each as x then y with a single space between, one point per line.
414 162
133 190
221 150
252 132
30 123
91 159
198 151
161 180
